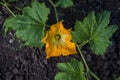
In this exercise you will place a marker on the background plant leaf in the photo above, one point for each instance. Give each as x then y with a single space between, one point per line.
118 78
65 3
73 70
30 26
96 30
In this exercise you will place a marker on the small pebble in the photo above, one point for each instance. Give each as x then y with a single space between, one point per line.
89 58
11 41
45 61
15 70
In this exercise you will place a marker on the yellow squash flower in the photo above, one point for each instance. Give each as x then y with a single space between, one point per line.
58 41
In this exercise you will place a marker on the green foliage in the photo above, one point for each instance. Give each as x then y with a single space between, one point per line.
73 70
65 3
118 78
96 30
30 26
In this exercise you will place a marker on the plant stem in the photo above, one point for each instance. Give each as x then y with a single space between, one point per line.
56 14
83 43
83 58
94 75
9 10
87 68
5 4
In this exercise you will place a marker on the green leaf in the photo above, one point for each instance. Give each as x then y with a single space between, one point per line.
73 70
38 12
118 78
65 3
30 26
84 30
96 30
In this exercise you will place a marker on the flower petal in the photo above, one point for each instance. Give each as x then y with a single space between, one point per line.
58 47
68 49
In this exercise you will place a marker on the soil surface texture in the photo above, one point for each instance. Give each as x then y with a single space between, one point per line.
19 62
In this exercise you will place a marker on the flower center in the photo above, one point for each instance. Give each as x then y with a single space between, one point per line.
57 37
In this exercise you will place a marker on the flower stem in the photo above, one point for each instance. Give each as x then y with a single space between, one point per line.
94 75
56 14
5 4
87 68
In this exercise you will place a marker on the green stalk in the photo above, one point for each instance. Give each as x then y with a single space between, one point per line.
83 43
56 14
87 68
6 6
86 65
9 10
94 75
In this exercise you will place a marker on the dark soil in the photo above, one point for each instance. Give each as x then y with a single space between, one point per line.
19 62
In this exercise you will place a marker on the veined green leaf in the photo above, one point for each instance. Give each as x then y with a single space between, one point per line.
65 3
38 12
96 30
73 70
84 30
30 26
